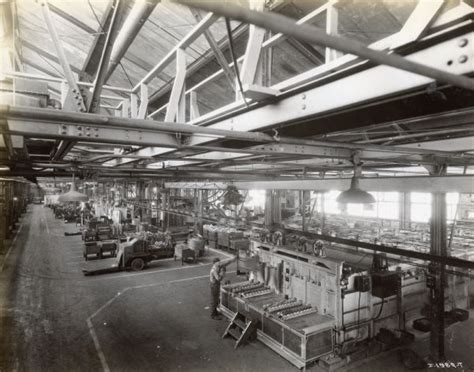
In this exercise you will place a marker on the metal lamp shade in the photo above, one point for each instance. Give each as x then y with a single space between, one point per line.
355 194
73 196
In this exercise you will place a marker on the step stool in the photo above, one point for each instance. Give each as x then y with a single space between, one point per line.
240 329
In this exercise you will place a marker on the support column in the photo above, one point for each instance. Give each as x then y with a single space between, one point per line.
304 197
405 210
9 210
140 197
200 211
272 208
3 217
437 271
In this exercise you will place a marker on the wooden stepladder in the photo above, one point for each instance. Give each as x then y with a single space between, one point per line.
240 329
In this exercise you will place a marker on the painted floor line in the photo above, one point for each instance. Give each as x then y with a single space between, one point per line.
98 348
95 339
10 249
115 277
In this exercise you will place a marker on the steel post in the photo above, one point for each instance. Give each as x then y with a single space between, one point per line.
438 247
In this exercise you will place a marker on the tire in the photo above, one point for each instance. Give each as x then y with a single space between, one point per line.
137 264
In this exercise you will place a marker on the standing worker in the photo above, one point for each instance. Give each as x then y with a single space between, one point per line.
216 275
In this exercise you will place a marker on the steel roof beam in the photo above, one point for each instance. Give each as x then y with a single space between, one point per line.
103 66
140 12
92 60
76 22
274 40
46 54
54 78
47 123
217 52
54 118
206 22
203 61
313 102
313 35
462 184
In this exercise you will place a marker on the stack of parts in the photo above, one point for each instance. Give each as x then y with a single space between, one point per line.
296 312
259 292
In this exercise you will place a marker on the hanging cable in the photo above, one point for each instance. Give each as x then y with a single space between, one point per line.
234 60
380 310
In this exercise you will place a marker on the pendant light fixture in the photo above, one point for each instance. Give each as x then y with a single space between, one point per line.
354 194
72 195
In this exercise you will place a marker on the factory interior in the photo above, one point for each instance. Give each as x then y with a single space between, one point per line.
236 185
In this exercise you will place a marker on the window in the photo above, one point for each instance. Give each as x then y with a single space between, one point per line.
420 206
255 199
452 199
386 205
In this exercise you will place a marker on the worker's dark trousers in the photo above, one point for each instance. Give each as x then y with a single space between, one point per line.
215 290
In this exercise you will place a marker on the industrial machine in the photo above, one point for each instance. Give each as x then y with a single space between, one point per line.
98 248
191 250
98 238
134 254
37 200
97 229
323 304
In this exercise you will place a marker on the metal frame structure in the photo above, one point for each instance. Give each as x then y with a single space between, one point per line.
289 103
298 100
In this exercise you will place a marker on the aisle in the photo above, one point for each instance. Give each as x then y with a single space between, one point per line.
43 302
52 316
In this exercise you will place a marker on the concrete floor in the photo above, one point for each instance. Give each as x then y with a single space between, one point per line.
52 318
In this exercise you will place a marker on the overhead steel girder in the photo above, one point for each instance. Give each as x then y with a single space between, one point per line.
313 35
45 54
137 17
273 41
361 87
198 29
134 131
102 68
445 120
458 144
83 132
133 175
462 184
55 117
92 60
218 54
369 85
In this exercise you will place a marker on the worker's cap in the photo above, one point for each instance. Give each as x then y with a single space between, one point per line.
217 259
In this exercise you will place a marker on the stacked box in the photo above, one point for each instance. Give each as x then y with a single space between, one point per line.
223 238
212 236
239 244
212 244
236 235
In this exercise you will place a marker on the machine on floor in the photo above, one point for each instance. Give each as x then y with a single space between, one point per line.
309 308
134 254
